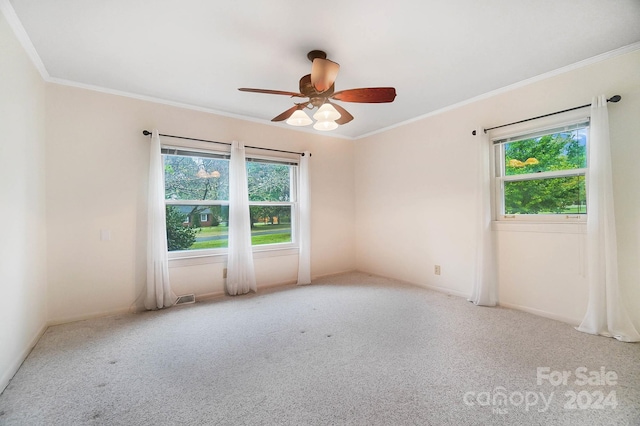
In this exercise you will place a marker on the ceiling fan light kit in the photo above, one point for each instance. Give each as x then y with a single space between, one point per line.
325 125
327 112
299 118
319 87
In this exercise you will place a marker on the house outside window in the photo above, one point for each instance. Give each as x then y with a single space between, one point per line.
197 201
542 175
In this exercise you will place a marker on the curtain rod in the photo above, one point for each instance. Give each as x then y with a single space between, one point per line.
148 133
614 99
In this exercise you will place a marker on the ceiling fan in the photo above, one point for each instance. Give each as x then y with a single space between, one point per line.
319 87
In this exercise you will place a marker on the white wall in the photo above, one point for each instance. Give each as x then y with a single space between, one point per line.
97 165
23 237
415 203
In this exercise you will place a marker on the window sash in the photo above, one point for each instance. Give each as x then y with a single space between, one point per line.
500 177
580 124
272 203
270 161
544 175
194 152
168 150
196 202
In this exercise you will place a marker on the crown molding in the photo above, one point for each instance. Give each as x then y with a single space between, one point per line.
14 22
181 105
22 36
572 67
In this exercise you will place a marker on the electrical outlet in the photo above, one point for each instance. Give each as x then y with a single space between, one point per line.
437 270
224 273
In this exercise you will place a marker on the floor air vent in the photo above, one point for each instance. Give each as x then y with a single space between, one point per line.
186 299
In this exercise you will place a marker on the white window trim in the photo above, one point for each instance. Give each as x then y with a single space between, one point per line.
178 258
544 175
540 227
196 202
539 126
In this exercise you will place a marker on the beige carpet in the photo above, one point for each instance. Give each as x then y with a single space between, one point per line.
349 349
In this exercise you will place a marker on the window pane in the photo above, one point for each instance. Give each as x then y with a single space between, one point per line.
269 181
558 151
196 178
270 224
564 195
186 229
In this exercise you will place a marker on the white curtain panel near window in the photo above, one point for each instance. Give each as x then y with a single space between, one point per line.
241 276
606 314
159 294
304 202
485 284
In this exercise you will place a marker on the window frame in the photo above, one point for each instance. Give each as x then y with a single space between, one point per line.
215 255
499 177
294 196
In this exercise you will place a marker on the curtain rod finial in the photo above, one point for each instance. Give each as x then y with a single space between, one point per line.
473 133
615 98
146 132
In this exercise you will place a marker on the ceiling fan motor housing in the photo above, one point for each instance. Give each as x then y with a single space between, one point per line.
316 99
316 54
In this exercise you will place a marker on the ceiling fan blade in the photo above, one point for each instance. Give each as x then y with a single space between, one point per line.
272 92
372 95
323 74
345 117
288 113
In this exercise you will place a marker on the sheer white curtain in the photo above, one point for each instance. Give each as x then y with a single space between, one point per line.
304 219
159 294
240 271
606 314
485 281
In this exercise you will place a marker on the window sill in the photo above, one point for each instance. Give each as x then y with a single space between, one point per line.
543 227
182 259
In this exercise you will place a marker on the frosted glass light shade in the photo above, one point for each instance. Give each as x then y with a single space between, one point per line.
325 125
326 113
299 118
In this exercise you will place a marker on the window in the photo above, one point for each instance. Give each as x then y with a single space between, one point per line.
542 175
270 205
197 200
196 189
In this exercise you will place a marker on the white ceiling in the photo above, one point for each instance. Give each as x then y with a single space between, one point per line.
436 53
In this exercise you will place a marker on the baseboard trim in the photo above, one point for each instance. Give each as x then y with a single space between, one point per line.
439 289
75 318
332 274
533 311
199 297
541 313
218 294
15 366
209 296
445 290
